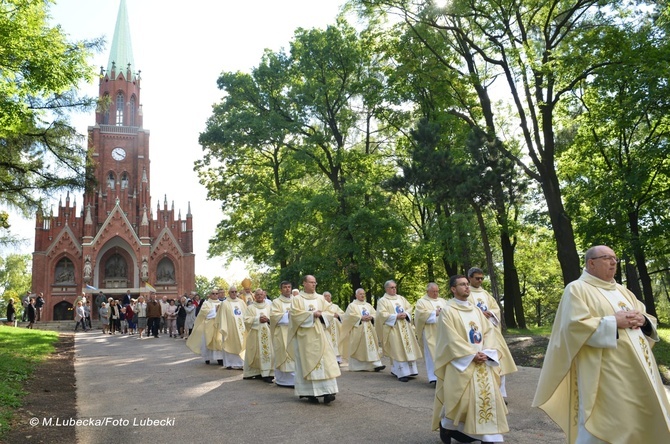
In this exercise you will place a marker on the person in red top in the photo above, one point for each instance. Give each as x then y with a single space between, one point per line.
130 313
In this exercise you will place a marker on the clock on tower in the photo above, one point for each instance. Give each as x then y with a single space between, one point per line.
118 154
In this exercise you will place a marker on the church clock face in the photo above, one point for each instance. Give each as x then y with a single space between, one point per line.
118 154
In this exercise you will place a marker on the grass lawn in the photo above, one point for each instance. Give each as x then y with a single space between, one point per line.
20 351
662 350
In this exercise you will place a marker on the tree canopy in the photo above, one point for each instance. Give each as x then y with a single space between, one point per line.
40 70
436 138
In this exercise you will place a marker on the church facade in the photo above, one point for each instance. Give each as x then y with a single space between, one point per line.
114 242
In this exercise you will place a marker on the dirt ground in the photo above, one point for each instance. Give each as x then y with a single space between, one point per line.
52 388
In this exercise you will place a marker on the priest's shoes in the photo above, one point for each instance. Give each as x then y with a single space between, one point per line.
311 399
327 399
445 435
380 368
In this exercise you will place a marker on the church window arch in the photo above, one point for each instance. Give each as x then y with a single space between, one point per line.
124 180
120 104
111 180
133 111
105 111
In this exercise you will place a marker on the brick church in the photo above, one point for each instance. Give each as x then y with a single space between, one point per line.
114 242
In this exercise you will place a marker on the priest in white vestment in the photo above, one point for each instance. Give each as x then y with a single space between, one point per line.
258 355
468 403
205 339
316 367
279 316
599 381
233 330
426 311
359 337
491 310
335 328
396 332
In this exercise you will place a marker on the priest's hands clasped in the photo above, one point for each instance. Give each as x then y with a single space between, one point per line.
480 358
629 319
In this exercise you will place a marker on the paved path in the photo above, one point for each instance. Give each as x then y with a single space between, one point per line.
123 381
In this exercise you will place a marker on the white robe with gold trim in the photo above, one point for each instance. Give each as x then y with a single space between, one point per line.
259 354
316 366
595 386
279 319
467 394
425 320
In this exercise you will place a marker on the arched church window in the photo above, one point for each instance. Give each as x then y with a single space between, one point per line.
124 180
132 112
116 267
64 273
165 272
111 180
105 111
120 104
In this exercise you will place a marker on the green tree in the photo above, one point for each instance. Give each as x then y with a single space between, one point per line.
204 286
15 280
40 70
539 273
475 172
537 54
617 168
292 153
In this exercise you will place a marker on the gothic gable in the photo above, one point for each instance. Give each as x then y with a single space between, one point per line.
65 241
116 224
166 243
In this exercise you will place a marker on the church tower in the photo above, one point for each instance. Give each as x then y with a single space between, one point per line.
116 243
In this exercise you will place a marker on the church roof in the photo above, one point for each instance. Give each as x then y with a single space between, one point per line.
122 49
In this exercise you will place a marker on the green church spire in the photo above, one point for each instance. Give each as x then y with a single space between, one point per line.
122 49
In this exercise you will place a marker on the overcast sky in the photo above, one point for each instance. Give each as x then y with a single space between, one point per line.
181 48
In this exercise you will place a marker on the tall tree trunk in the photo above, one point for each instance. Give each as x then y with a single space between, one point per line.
566 248
641 263
450 268
354 280
430 270
513 302
488 252
632 280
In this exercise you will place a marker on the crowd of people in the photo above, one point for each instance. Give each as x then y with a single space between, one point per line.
146 317
598 356
299 340
32 309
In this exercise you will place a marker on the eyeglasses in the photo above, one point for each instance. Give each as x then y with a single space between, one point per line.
390 287
477 278
462 284
607 257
